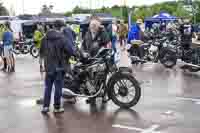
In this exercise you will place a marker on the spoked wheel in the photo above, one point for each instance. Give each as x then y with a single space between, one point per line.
34 51
125 91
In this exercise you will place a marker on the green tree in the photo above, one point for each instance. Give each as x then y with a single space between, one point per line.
68 14
125 12
46 10
3 10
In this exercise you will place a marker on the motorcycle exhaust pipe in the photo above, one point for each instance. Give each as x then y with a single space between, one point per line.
189 64
69 93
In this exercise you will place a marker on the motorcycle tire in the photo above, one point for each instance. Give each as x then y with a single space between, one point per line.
137 90
168 58
34 51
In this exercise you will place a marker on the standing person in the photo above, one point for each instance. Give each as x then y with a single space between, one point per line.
56 51
96 37
38 36
112 30
135 36
186 31
135 32
8 40
2 30
122 31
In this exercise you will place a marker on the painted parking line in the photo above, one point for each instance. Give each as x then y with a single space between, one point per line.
126 127
148 130
188 99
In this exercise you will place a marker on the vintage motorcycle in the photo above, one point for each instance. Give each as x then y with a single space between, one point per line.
154 50
22 47
99 77
190 57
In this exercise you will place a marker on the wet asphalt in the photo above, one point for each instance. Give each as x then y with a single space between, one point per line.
170 103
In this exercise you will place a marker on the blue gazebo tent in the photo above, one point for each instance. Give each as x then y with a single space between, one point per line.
159 18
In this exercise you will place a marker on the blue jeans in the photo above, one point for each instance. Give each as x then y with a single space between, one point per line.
114 42
56 78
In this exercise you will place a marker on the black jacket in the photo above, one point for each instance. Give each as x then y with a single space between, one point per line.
91 45
56 49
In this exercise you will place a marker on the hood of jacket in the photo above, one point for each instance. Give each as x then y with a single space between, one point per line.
54 35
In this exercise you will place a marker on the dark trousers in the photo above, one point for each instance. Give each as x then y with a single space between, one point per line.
5 63
56 78
114 43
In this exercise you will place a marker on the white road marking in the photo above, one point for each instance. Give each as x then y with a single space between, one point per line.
198 103
188 99
151 129
148 130
126 127
169 112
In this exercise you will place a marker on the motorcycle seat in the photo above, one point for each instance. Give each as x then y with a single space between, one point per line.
137 42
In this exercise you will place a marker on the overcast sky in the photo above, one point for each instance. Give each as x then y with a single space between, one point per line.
34 6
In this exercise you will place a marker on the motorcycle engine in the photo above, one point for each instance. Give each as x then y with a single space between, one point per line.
95 71
153 49
95 74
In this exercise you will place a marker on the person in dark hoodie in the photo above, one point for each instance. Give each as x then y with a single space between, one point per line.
56 50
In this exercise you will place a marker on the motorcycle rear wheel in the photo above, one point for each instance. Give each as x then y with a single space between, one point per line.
168 58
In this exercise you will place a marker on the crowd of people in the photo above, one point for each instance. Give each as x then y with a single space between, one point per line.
57 45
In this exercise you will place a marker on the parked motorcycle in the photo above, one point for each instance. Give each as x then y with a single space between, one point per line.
22 47
190 57
99 77
155 49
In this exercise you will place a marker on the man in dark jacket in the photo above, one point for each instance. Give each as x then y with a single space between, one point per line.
56 50
186 30
95 38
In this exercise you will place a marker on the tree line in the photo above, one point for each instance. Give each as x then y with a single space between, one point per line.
174 8
178 9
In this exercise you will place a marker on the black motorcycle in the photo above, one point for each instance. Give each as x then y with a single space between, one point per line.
100 77
154 49
22 47
190 57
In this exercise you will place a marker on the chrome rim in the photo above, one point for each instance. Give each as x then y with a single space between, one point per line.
129 94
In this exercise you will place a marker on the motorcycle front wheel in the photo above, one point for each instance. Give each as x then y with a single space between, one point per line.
125 91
